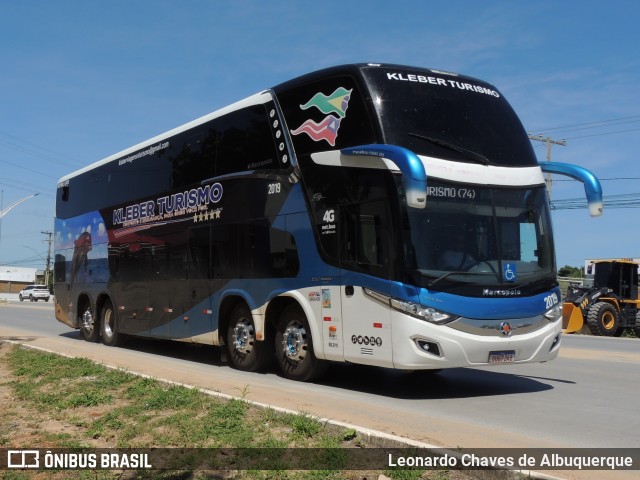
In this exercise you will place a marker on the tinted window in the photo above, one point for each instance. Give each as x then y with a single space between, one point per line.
365 237
60 268
351 209
245 142
162 256
224 251
326 115
194 161
253 250
448 108
239 141
200 253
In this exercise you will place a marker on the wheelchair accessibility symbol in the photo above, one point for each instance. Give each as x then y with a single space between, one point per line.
509 272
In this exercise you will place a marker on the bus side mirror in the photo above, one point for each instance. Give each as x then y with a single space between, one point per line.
592 187
414 175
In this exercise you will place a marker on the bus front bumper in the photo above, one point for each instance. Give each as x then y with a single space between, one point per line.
473 343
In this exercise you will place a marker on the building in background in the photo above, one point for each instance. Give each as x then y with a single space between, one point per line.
14 279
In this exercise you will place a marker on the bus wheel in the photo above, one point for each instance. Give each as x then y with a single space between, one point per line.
294 347
108 324
245 352
602 319
89 326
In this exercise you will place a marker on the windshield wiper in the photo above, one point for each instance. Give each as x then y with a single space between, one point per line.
442 277
468 154
532 283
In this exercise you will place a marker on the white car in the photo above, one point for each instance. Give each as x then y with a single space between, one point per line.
35 293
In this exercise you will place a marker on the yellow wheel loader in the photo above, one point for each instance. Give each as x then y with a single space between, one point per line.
609 306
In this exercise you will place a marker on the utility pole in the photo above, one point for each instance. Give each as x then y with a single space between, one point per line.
47 270
549 141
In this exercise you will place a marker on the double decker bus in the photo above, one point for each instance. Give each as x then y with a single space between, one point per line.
374 214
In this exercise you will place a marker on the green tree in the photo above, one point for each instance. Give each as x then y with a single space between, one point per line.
567 271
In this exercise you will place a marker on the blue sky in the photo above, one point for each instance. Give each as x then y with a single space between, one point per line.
81 80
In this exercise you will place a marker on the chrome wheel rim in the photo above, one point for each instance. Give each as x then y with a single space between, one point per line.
294 342
108 323
87 321
244 336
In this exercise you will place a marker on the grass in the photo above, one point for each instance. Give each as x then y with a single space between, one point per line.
91 406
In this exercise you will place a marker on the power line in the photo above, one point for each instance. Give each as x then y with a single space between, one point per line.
589 123
623 200
606 133
603 179
27 169
44 152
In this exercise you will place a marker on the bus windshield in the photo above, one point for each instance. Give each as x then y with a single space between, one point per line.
448 116
479 235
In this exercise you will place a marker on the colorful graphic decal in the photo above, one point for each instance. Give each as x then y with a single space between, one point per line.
326 298
314 296
335 103
81 242
325 130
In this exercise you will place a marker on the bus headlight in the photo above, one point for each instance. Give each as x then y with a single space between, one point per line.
554 313
419 311
415 310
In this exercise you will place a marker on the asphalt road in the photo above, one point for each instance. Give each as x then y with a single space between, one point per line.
588 397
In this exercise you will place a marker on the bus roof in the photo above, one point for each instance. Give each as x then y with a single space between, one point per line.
258 98
354 69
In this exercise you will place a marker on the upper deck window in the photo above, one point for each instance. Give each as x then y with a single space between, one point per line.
448 116
326 114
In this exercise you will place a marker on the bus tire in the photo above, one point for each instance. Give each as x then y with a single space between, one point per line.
89 328
245 352
294 347
602 319
108 325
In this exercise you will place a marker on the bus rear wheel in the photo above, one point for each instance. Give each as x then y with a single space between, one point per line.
245 351
88 325
108 326
294 347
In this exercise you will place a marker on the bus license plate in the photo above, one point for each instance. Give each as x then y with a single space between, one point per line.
505 356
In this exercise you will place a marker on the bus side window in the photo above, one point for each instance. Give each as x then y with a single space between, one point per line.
245 142
60 268
224 251
365 237
199 253
267 252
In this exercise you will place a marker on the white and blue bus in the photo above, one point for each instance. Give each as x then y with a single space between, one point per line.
374 214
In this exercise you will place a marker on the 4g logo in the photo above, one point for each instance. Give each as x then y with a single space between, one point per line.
329 216
329 227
